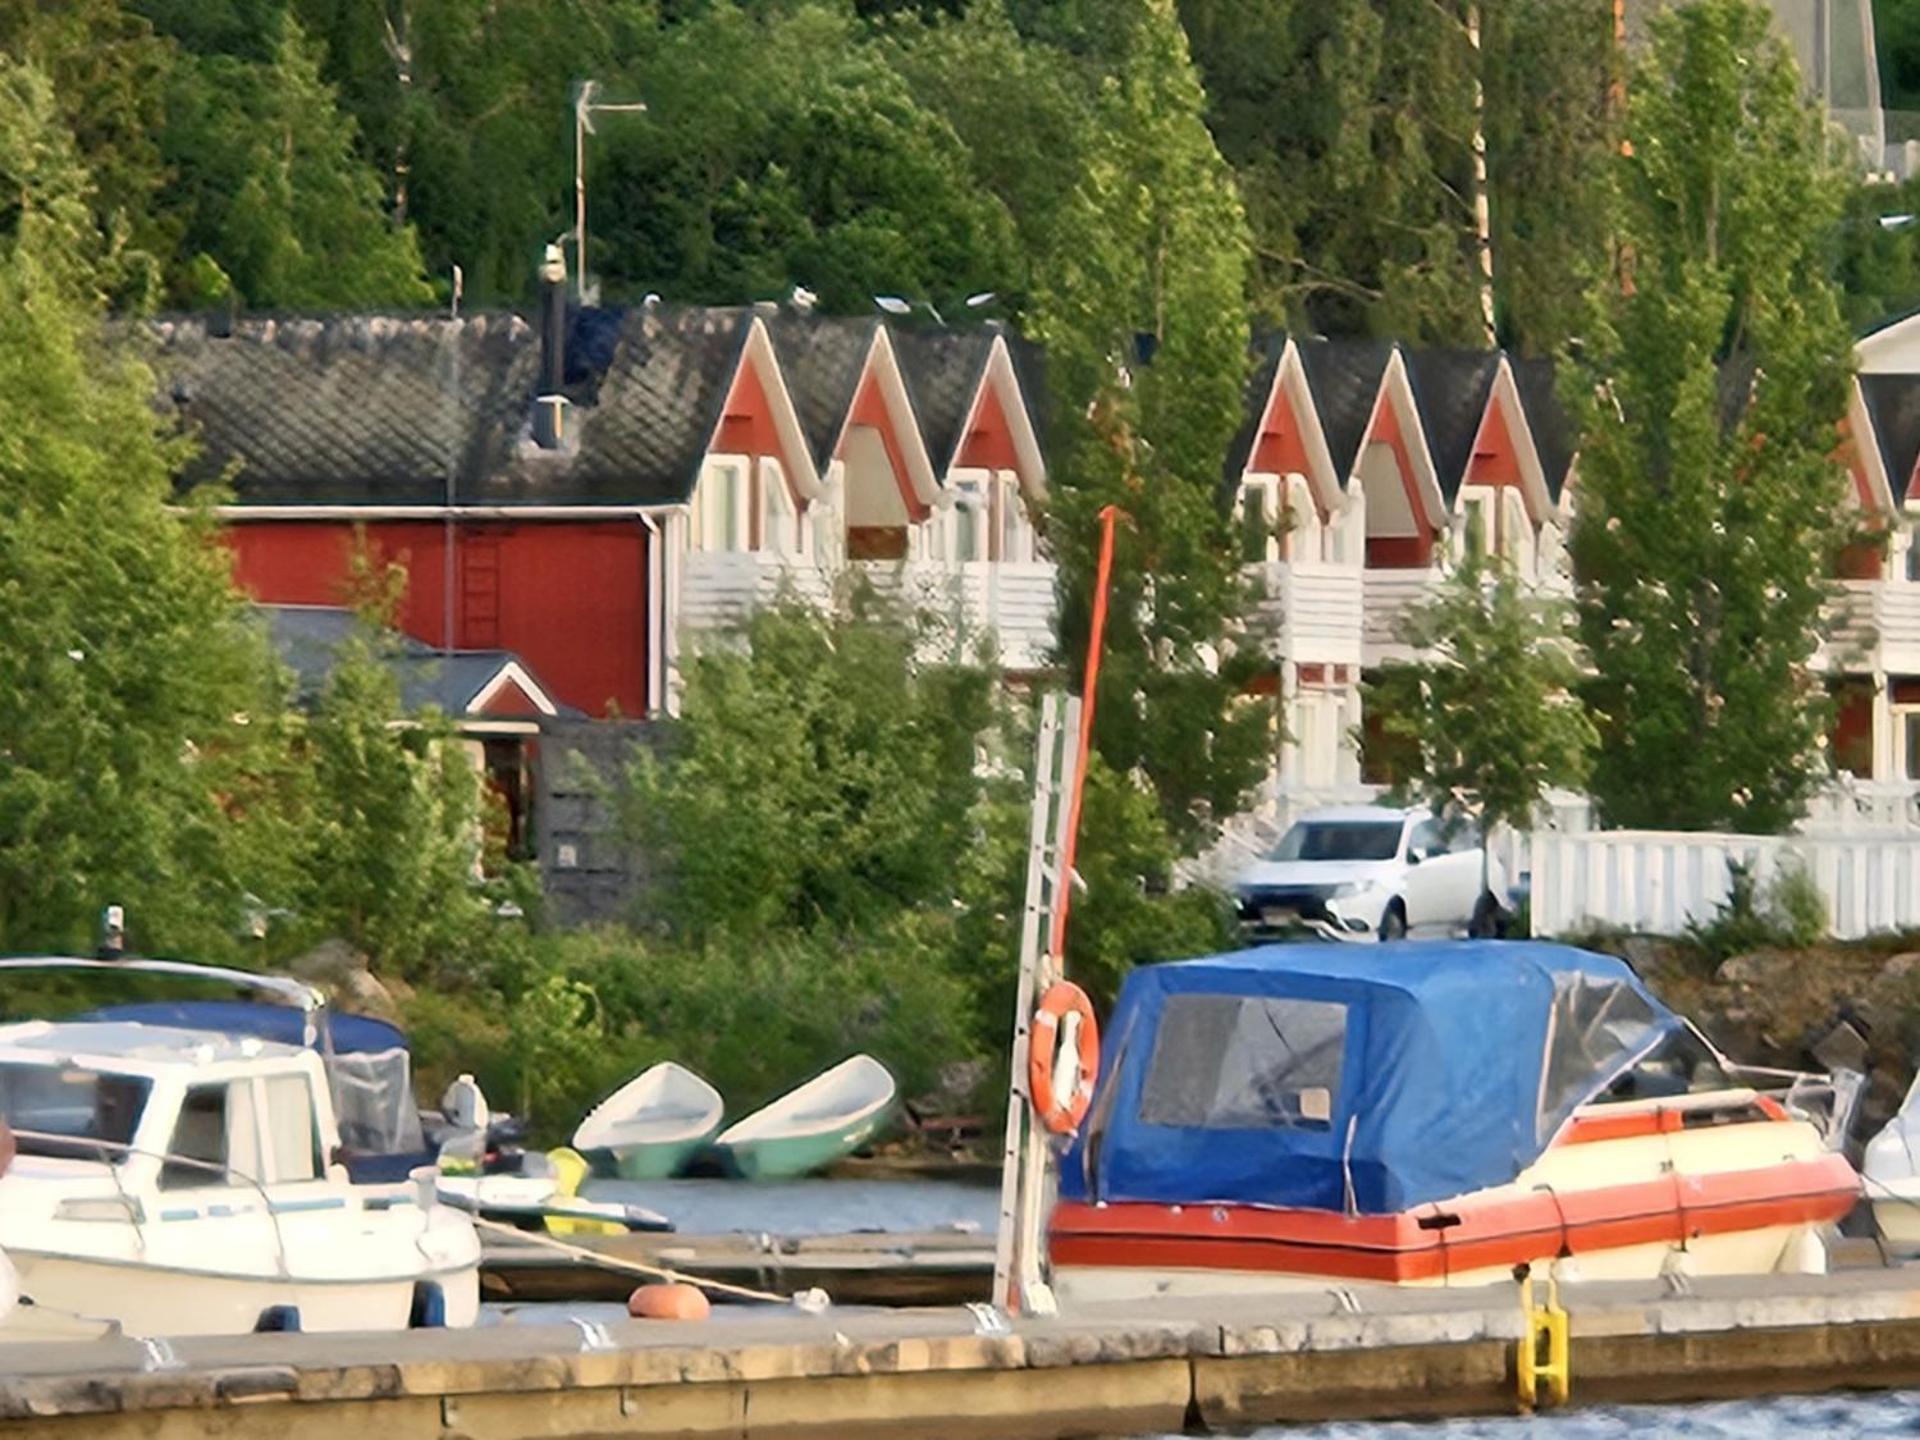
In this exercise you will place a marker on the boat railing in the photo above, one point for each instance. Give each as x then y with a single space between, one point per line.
1828 1101
130 1203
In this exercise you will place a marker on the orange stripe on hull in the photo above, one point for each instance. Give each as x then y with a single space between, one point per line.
1473 1233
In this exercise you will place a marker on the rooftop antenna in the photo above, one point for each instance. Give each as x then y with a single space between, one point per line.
585 107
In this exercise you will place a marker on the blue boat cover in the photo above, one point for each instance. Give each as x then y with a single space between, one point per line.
352 1034
1359 1079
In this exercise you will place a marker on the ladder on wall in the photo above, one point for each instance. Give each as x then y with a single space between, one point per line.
1026 1175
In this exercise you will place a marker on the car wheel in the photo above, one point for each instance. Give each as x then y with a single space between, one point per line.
1393 924
1489 921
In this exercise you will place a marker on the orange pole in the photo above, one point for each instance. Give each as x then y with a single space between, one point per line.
1096 639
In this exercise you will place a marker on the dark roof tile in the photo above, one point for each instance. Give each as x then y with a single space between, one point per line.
944 369
1547 418
1450 388
1344 377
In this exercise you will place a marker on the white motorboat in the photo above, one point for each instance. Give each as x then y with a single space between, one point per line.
191 1182
653 1124
1892 1175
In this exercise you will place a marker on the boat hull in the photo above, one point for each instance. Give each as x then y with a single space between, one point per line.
1733 1200
788 1157
661 1160
149 1300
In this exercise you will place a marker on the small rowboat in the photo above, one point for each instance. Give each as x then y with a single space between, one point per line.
806 1130
654 1123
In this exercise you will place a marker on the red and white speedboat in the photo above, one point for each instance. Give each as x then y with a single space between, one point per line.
1424 1114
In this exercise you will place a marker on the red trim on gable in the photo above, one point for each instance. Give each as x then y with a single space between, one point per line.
988 444
1496 459
869 408
511 701
746 421
1399 552
1280 448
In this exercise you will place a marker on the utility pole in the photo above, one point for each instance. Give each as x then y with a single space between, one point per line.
585 107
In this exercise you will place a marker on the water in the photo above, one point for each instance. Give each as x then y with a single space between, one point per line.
808 1207
1788 1418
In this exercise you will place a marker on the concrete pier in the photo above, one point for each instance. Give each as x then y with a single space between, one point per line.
933 1374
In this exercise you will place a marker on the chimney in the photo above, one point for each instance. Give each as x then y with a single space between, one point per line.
550 406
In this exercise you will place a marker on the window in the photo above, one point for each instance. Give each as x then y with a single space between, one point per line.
1339 840
1596 1024
1477 532
61 1107
1300 524
293 1134
1910 738
214 1140
724 508
1913 553
1229 1062
778 519
1010 528
1258 509
1428 840
969 522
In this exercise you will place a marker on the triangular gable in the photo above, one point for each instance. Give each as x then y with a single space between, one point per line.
758 418
511 693
1288 439
999 433
1503 450
1396 423
881 404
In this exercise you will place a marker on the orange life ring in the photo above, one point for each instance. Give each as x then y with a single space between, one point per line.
1064 1022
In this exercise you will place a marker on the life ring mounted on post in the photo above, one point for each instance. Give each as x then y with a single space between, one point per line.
1065 1038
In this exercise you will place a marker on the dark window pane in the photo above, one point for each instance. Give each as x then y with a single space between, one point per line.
197 1154
62 1107
1228 1062
1340 840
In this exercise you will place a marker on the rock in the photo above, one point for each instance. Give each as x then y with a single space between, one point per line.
341 972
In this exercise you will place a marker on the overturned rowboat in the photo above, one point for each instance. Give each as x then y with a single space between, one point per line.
832 1115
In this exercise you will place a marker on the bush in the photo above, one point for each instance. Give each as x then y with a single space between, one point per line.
1790 914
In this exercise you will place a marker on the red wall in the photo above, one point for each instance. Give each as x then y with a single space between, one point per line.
570 598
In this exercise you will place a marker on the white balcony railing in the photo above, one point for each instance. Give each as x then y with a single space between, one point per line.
719 589
1312 613
1390 595
1873 625
967 601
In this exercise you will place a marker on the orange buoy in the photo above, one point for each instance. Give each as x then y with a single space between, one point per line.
668 1302
1066 1037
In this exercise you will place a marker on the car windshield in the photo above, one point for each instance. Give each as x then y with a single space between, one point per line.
1339 840
59 1109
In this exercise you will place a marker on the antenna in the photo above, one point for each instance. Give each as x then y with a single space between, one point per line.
585 107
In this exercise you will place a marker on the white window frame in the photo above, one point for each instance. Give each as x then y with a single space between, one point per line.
1302 537
1901 716
970 519
1477 501
1516 532
780 529
723 519
1012 531
1266 489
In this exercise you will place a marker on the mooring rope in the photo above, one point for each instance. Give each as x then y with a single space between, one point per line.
616 1262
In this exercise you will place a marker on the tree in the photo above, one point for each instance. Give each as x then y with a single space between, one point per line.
1141 304
1708 396
137 705
279 210
1490 718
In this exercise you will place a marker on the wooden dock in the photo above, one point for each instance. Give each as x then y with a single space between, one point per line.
952 1374
939 1267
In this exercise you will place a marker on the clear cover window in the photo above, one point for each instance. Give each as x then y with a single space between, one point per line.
1237 1062
1597 1026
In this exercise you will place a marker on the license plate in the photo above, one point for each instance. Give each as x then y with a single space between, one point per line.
1273 915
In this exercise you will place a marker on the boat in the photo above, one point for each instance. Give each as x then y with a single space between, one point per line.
807 1129
1892 1175
654 1124
1310 1117
187 1182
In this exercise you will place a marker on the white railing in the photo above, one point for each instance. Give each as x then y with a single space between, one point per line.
1313 613
719 589
1657 882
1873 625
1389 596
1010 600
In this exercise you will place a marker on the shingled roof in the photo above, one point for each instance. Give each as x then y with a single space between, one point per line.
1450 389
823 358
1893 407
1553 434
309 639
1344 377
944 370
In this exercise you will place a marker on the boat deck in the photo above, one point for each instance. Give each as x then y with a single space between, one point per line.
935 1374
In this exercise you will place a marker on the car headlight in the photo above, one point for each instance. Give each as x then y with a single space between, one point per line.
1350 889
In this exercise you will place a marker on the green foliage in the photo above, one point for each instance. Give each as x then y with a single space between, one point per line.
1789 914
1142 311
1879 264
1492 719
126 666
1708 396
270 189
820 776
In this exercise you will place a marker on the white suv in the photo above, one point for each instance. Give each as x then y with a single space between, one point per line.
1367 871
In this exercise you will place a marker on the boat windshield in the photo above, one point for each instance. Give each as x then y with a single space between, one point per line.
58 1110
1339 840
